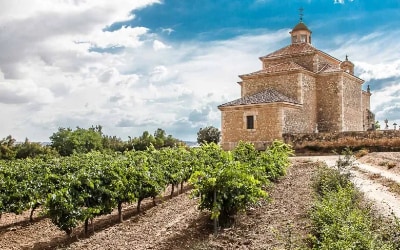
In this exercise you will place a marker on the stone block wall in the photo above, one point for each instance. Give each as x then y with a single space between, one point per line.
368 116
287 84
267 125
306 61
304 119
329 102
352 104
321 60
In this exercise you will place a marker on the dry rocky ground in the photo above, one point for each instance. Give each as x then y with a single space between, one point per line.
177 224
383 160
277 223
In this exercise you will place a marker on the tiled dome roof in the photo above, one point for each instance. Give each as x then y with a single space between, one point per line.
300 26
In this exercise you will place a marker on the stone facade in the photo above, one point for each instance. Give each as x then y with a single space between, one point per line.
299 89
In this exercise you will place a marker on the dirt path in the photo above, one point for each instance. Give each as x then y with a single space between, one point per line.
384 200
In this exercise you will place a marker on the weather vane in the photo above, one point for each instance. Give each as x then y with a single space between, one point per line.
301 14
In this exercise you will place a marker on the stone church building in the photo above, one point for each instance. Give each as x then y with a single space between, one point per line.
299 89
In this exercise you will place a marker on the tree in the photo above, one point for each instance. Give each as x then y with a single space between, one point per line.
32 149
208 135
377 125
66 141
160 138
144 141
7 148
115 144
61 141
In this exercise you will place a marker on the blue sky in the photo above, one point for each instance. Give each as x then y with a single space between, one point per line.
139 65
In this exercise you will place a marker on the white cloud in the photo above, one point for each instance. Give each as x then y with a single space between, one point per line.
50 79
24 91
113 11
158 45
167 30
341 1
124 37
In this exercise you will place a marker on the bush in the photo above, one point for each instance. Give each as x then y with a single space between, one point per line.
228 182
362 152
330 180
340 223
340 218
225 186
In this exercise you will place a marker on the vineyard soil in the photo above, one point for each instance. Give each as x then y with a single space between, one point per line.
177 224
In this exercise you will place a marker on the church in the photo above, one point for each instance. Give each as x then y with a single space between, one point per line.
299 89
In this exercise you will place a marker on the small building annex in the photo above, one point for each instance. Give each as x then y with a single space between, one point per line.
299 89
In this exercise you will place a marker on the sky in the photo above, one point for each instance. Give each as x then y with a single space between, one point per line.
136 65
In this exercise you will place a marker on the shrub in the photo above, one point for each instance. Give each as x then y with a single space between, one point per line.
340 223
360 153
340 218
330 180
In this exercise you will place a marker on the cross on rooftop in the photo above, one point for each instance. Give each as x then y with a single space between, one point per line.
301 14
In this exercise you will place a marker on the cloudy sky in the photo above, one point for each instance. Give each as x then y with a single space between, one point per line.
135 65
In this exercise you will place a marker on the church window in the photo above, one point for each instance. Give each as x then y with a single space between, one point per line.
303 38
250 122
294 39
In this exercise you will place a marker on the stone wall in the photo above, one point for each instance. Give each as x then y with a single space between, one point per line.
379 140
329 102
368 116
304 119
287 84
304 60
352 104
267 125
321 60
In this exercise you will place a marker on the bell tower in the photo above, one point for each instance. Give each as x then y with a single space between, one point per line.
347 66
300 33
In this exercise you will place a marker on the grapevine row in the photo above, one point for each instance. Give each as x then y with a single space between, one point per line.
78 188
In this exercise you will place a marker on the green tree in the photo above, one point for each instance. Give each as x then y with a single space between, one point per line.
208 135
114 144
7 148
33 149
160 138
62 142
144 141
66 141
377 125
86 140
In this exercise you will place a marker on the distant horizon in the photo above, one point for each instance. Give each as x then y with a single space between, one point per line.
133 66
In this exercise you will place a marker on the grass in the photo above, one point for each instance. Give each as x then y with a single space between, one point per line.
341 219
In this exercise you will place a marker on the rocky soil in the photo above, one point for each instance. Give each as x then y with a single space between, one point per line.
177 224
277 223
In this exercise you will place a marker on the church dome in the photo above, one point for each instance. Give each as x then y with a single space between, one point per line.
300 26
300 33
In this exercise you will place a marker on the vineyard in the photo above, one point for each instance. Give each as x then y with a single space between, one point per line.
74 190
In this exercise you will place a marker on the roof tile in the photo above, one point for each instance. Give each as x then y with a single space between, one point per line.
280 67
296 48
266 96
